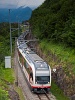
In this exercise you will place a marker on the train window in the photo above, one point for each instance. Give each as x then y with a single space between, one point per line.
31 75
42 79
27 67
24 62
20 57
41 65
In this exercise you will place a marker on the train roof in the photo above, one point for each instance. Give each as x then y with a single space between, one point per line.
31 56
39 62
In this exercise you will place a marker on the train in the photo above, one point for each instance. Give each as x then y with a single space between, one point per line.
37 72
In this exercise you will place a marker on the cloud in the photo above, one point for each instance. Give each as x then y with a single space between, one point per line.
18 3
30 2
8 3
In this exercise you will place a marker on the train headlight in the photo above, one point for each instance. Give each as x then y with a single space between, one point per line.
48 82
36 82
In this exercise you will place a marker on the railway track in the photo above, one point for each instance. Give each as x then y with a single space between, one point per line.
26 90
24 86
43 97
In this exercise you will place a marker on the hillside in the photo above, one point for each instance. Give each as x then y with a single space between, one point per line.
55 20
54 24
19 14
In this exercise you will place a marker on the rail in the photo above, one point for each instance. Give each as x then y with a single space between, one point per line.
43 96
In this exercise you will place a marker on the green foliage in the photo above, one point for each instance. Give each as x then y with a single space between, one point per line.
55 20
4 41
3 95
58 92
66 55
6 75
4 29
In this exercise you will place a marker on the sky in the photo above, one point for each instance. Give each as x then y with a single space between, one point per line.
17 3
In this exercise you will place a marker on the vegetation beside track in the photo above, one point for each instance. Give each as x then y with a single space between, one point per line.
54 24
64 55
7 76
58 54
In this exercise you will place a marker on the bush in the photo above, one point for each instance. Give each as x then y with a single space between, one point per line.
3 95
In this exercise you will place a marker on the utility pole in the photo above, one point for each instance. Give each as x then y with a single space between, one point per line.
12 30
10 33
18 28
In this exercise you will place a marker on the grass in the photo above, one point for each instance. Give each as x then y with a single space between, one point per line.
19 91
65 54
6 78
3 94
58 92
8 75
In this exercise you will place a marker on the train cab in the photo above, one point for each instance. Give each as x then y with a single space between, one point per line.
42 76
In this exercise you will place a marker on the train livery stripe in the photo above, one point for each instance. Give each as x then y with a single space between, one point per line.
41 86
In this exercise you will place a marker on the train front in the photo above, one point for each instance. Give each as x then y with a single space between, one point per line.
42 77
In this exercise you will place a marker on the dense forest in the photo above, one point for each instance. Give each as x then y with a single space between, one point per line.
55 20
4 41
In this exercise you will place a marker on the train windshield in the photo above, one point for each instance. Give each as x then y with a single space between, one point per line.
42 79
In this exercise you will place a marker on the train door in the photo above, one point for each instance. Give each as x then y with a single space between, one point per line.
31 77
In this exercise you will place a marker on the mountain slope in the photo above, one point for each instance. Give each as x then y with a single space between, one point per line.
20 14
55 20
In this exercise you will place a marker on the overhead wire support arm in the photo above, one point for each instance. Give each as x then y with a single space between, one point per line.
14 29
31 40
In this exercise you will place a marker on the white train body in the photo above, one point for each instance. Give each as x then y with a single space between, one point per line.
35 69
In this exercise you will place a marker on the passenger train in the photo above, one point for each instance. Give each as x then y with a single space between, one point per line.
35 69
